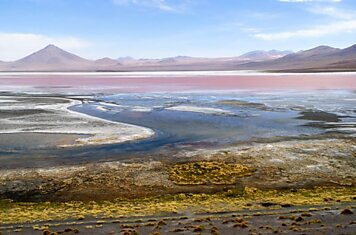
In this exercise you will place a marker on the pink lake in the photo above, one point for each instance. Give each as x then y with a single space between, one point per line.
173 82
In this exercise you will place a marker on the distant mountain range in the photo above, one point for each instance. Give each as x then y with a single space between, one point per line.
322 58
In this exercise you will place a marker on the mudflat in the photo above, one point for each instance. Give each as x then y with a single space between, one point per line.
36 114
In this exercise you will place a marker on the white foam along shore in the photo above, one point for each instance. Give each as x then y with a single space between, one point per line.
58 119
196 109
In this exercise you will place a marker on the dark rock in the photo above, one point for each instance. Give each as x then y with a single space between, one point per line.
346 212
268 204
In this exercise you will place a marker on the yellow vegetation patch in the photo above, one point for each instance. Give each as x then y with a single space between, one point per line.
207 173
11 212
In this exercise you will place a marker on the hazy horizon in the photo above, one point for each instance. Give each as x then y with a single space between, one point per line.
146 58
166 28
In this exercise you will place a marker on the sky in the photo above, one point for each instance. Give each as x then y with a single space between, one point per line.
164 28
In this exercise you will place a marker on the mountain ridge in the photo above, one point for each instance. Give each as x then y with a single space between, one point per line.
53 58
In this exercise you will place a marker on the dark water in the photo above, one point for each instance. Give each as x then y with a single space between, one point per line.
181 127
179 130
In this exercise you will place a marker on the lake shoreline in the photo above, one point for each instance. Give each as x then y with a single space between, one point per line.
51 115
254 178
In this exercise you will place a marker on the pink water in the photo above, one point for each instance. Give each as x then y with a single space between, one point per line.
121 83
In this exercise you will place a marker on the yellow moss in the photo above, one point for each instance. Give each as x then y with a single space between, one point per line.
207 173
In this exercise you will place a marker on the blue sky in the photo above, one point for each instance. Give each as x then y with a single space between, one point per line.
164 28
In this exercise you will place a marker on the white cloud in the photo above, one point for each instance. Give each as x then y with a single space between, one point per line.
332 12
16 45
310 1
159 4
343 21
317 31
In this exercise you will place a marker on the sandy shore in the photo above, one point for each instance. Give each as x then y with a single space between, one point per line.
29 114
